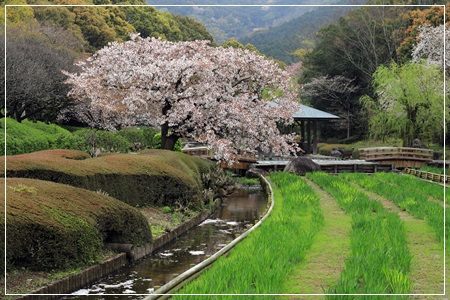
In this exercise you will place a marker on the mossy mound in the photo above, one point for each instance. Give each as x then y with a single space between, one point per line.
154 177
55 226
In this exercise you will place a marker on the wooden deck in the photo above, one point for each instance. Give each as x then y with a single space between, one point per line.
332 166
372 160
352 166
400 157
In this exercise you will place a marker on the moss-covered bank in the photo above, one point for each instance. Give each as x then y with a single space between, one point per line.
61 210
154 177
54 226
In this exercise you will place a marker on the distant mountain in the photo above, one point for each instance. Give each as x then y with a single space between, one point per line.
280 42
225 22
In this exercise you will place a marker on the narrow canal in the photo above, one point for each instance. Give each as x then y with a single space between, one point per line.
237 213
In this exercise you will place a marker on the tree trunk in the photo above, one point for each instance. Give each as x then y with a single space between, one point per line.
348 124
168 140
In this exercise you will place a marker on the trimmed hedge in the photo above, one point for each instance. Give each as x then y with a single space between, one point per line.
154 177
27 137
55 226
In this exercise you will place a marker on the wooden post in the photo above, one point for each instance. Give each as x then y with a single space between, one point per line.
303 138
314 137
308 137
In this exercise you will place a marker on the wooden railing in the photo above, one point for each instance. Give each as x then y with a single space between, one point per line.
400 157
427 175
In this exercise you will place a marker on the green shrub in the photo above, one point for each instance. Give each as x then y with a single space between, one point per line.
96 141
29 136
139 138
325 149
71 141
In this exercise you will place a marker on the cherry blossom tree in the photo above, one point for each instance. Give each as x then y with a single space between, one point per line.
431 46
214 95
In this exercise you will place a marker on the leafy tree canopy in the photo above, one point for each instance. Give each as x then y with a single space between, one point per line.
409 106
101 25
415 19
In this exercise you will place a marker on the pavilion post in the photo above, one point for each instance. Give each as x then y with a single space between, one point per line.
308 137
303 130
314 137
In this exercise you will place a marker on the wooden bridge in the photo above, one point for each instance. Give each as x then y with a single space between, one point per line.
371 160
399 157
330 165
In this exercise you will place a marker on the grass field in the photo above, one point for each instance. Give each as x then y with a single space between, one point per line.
335 235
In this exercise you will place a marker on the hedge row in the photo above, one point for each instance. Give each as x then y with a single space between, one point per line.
152 177
27 137
55 226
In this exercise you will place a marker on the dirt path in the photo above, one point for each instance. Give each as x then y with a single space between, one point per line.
427 264
325 260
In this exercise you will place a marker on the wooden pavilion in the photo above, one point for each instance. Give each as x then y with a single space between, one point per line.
307 119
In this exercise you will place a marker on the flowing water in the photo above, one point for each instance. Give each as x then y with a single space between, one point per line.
237 213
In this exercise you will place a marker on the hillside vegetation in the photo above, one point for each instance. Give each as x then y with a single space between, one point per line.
154 177
44 39
282 41
28 136
54 226
237 21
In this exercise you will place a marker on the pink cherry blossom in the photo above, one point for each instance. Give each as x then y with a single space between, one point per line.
218 96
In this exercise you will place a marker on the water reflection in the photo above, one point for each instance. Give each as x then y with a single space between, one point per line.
237 213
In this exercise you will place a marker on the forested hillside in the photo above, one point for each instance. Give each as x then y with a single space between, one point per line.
238 21
282 41
44 40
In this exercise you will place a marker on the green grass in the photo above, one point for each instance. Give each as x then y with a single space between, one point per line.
380 260
247 181
411 195
324 262
261 263
427 253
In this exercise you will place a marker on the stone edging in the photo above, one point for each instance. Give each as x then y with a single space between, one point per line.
129 254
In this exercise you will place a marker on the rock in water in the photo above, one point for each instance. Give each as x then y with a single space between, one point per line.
254 172
301 165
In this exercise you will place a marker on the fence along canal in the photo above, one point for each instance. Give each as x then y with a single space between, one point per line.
238 213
